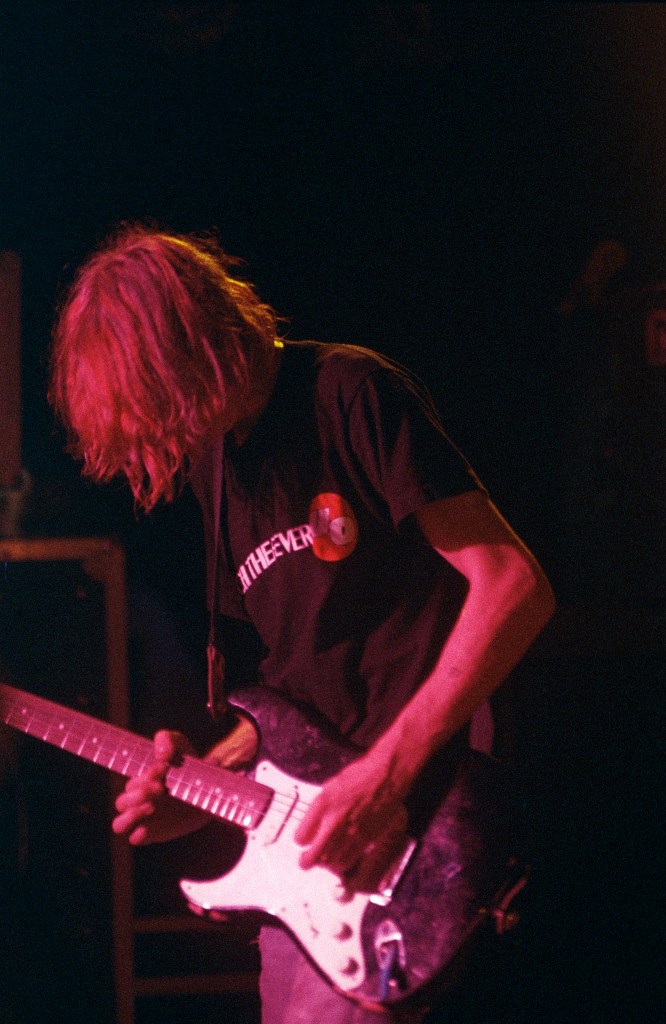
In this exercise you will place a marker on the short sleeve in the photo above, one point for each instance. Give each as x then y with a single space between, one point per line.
404 451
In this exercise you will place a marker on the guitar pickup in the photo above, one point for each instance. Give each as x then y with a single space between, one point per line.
389 882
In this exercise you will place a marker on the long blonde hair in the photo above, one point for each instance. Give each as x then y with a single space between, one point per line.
155 349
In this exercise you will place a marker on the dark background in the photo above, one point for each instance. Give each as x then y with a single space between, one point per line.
430 180
426 179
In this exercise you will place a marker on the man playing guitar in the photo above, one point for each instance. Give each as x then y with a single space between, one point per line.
389 595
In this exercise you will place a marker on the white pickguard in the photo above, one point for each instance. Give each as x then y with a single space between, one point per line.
312 903
472 836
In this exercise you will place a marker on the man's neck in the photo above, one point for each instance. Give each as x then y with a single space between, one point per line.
258 402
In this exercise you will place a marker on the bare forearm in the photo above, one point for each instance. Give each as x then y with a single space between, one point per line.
507 603
487 642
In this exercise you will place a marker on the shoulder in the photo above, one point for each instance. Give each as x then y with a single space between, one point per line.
341 372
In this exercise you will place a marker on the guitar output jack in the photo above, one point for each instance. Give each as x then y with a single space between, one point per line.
391 956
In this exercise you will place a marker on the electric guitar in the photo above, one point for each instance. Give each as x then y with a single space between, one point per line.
458 871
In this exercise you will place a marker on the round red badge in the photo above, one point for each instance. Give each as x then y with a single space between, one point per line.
334 527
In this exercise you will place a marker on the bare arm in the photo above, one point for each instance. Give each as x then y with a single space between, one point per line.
507 604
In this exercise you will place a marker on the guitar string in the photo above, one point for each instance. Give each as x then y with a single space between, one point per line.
280 801
41 722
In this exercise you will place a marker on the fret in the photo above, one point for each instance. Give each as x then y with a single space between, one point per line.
85 739
63 735
220 792
124 754
184 793
218 796
131 765
198 795
248 817
46 730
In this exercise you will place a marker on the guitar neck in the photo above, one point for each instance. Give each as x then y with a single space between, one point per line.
220 792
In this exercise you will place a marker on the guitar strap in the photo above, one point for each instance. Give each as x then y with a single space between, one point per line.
217 704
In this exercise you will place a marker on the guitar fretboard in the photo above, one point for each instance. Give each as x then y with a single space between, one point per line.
220 792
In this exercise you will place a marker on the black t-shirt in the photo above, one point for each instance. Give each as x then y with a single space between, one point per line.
350 602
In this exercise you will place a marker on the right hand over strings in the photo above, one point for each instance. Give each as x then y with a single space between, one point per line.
146 812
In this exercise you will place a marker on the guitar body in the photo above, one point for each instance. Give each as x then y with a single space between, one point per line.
456 871
463 862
